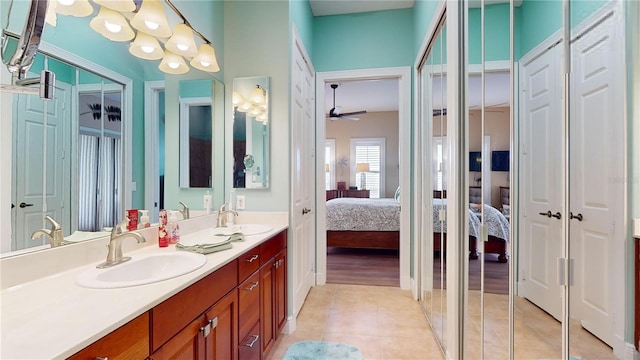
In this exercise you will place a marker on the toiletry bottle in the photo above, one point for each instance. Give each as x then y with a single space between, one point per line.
173 227
144 219
163 235
207 202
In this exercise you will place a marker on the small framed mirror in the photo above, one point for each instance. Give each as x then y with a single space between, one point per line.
196 133
251 132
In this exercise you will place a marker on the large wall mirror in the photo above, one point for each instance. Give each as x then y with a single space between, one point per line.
251 132
196 133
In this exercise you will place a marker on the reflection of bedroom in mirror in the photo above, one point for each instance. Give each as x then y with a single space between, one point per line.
361 152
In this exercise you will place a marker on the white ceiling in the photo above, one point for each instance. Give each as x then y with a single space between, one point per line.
382 95
335 7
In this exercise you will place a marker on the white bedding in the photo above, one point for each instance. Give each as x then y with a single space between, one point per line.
363 214
497 224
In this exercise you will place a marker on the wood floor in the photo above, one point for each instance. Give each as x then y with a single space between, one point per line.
363 267
496 274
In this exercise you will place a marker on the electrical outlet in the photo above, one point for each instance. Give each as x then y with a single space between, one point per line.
240 202
206 201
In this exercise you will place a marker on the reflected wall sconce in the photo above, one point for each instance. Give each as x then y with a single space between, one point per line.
326 168
362 168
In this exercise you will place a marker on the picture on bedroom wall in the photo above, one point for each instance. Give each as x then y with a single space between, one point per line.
500 161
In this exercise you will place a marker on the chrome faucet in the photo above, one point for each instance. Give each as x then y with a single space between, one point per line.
185 210
55 235
222 215
114 257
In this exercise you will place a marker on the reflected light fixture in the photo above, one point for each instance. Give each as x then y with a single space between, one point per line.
146 47
244 107
77 8
181 42
117 5
112 25
258 95
152 19
326 168
205 60
50 17
173 64
255 112
236 98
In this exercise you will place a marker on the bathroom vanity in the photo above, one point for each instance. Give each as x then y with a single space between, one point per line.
233 307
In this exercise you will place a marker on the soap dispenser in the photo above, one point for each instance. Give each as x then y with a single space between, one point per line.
144 219
173 231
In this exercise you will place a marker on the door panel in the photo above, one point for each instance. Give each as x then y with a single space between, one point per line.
542 242
596 164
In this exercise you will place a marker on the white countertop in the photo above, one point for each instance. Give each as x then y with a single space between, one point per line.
53 318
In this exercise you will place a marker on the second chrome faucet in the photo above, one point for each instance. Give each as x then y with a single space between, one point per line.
223 215
114 257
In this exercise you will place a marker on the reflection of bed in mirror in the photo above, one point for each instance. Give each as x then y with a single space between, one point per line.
375 224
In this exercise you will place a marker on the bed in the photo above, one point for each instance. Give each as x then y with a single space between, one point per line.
375 224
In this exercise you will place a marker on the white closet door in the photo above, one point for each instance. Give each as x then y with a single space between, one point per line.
303 189
541 237
597 152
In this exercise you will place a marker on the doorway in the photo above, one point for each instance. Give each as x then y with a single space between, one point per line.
402 75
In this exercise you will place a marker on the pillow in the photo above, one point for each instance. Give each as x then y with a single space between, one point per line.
474 207
397 194
505 209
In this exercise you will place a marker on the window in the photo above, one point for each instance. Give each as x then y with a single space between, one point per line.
372 152
330 162
439 159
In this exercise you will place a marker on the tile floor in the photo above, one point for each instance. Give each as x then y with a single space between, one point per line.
386 323
383 322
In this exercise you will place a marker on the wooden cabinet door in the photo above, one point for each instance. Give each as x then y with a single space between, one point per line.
188 344
130 341
280 291
267 308
248 305
221 342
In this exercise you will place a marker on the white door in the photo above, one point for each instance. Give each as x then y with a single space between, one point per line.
303 182
541 237
596 167
41 146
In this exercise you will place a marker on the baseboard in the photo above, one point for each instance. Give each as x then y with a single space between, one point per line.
289 326
405 283
321 279
630 352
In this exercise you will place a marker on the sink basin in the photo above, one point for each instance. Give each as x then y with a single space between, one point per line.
142 269
254 229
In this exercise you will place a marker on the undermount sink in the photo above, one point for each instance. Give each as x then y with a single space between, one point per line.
142 269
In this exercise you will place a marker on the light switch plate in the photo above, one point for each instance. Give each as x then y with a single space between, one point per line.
240 202
134 186
636 228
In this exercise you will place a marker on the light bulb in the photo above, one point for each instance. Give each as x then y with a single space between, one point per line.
204 63
114 28
147 49
151 25
173 65
66 2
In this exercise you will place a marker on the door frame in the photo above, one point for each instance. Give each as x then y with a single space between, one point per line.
151 181
403 75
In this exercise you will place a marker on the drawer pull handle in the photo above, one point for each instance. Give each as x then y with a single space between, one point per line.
252 259
213 323
206 330
253 286
255 338
102 358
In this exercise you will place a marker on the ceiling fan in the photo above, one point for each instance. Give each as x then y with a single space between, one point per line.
335 114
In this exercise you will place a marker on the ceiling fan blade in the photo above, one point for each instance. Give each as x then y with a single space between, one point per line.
355 113
349 118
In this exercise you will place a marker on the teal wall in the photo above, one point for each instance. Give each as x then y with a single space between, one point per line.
538 19
301 15
423 15
196 88
375 39
496 33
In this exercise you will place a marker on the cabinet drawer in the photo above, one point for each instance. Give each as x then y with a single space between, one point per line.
130 341
248 263
272 246
173 314
249 348
248 305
